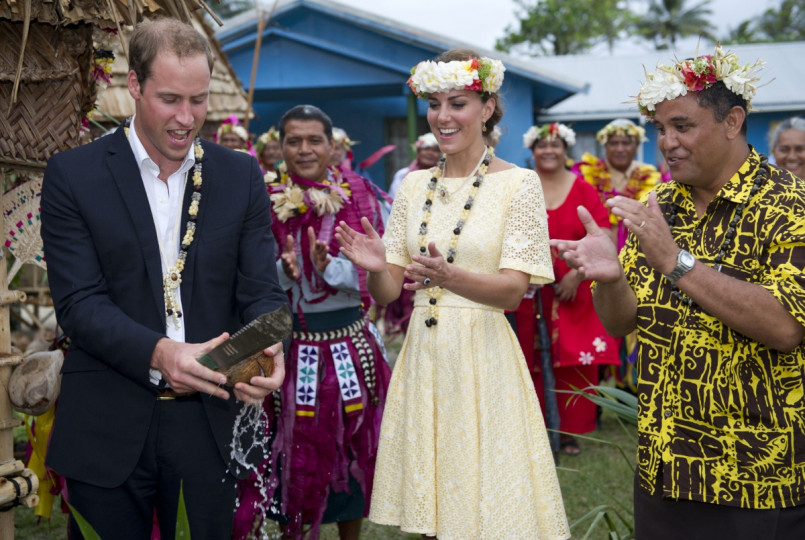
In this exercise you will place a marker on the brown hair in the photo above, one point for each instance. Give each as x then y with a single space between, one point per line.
150 37
466 54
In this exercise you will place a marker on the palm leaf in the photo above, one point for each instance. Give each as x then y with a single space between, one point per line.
83 525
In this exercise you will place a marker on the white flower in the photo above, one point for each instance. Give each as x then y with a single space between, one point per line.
662 85
586 358
530 136
494 80
600 345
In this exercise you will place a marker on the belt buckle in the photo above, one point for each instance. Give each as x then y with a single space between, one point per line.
166 395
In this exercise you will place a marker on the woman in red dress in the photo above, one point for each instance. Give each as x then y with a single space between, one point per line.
578 342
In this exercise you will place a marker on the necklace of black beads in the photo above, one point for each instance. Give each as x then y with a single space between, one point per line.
431 320
729 236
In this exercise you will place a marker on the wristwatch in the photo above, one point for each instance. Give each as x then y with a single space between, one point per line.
684 264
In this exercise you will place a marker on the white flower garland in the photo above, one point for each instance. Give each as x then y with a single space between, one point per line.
671 82
549 131
479 74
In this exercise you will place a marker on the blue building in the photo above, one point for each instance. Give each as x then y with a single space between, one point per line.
354 66
614 80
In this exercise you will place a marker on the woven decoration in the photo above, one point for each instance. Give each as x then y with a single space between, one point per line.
55 91
22 223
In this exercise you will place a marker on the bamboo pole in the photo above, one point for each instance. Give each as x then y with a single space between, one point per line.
6 415
261 24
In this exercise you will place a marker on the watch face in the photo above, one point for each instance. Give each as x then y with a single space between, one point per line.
686 259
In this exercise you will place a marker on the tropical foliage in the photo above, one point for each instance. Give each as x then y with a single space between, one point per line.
785 23
555 27
669 20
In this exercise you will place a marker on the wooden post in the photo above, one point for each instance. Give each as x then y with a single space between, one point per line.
412 125
7 420
261 24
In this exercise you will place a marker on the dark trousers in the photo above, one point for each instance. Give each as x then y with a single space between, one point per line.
657 518
180 449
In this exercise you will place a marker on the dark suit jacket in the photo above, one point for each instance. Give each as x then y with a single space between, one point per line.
105 276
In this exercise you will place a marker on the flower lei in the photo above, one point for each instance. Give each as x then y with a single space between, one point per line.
173 276
549 131
671 82
478 74
596 172
623 128
434 293
290 200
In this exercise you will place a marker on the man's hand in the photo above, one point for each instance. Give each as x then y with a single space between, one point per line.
650 227
289 263
319 252
594 256
179 366
256 390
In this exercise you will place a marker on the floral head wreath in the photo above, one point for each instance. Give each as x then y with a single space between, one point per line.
622 127
700 73
340 137
549 131
232 125
428 140
271 135
483 75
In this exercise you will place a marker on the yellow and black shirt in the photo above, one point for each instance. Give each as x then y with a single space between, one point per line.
722 415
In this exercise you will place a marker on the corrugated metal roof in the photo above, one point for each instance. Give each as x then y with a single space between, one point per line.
245 23
614 80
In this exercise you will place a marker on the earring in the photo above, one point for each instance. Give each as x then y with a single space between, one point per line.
483 127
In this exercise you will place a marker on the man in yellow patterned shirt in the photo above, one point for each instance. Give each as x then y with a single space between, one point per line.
711 277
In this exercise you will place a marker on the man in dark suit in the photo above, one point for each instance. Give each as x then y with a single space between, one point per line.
158 246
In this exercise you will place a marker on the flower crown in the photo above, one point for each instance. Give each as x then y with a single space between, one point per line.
549 131
271 135
232 125
624 128
428 140
478 74
700 73
340 137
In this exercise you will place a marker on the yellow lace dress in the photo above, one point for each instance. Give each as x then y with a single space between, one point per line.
463 449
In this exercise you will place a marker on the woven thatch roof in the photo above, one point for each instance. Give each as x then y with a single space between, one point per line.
46 53
97 12
226 91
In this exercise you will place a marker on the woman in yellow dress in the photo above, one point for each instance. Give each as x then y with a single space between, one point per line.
463 448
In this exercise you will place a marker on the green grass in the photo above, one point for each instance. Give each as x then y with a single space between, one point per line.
598 476
601 475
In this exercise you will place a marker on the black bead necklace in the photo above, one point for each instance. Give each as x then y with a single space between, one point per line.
729 236
435 292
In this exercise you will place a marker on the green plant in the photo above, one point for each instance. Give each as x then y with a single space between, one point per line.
182 525
612 517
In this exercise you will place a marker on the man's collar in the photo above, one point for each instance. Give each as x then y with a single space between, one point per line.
739 185
144 160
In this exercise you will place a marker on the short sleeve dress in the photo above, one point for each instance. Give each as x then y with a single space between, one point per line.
463 448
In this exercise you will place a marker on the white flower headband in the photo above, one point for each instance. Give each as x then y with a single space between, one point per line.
671 82
478 74
340 137
549 131
232 125
624 128
428 140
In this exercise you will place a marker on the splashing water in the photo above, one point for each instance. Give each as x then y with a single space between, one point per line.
251 450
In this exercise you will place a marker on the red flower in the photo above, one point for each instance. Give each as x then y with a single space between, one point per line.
476 85
474 63
698 81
